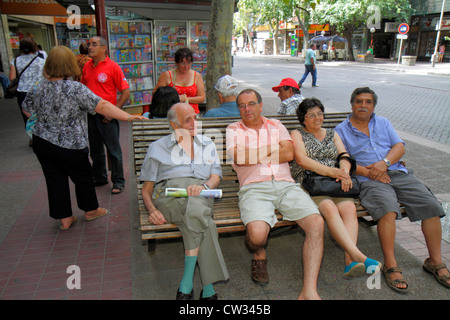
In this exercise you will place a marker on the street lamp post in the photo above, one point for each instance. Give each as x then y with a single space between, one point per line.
372 31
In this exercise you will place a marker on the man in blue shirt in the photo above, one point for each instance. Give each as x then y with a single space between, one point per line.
185 159
226 88
310 66
377 149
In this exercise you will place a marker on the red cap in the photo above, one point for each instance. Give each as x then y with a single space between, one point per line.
286 82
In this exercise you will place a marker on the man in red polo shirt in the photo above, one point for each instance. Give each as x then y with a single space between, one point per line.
106 79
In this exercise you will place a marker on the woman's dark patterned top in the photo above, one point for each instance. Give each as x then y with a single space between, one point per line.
324 152
61 112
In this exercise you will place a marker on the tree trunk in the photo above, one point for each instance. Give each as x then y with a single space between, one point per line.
304 25
276 32
219 47
348 33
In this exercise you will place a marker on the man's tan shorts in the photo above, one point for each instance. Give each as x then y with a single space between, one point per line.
258 201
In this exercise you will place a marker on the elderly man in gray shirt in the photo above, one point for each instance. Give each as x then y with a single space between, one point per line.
186 159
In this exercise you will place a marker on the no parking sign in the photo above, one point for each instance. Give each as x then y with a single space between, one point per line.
403 28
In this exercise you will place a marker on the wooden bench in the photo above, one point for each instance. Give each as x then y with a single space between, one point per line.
226 212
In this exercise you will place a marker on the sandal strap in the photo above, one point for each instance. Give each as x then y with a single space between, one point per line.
439 266
435 267
398 281
393 270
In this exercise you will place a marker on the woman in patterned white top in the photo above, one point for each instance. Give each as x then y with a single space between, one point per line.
31 75
60 135
316 149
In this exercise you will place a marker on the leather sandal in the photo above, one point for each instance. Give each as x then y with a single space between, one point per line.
393 283
259 271
433 269
99 215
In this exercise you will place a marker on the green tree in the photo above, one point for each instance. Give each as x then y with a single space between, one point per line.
246 20
265 12
350 15
303 10
272 13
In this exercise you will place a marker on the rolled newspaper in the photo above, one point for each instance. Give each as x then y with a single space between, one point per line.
181 192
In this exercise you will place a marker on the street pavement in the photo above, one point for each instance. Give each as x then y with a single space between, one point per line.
35 255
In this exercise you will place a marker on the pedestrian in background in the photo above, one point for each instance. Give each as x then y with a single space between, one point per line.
82 59
310 66
31 66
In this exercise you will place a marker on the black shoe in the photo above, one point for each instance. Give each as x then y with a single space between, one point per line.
185 296
213 297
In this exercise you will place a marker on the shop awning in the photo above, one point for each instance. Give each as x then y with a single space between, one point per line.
157 10
334 38
84 5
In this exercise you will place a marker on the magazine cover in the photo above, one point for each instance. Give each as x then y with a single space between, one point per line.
180 192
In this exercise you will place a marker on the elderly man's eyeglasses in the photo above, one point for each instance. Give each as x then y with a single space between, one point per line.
93 45
251 104
314 115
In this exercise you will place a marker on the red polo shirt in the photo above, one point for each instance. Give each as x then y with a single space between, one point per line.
105 79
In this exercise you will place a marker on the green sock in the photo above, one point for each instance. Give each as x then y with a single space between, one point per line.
208 291
187 282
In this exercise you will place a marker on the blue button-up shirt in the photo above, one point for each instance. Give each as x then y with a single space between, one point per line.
226 109
370 149
166 159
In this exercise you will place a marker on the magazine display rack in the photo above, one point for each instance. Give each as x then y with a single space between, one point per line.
130 45
172 35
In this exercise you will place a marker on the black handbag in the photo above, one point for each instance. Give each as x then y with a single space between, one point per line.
11 90
318 185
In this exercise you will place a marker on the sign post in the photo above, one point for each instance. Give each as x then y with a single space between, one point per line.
403 29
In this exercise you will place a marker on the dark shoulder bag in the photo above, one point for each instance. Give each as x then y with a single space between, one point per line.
318 185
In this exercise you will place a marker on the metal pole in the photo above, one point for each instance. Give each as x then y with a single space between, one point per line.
100 17
438 35
400 51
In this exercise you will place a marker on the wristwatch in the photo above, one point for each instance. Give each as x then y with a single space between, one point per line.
206 186
387 162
